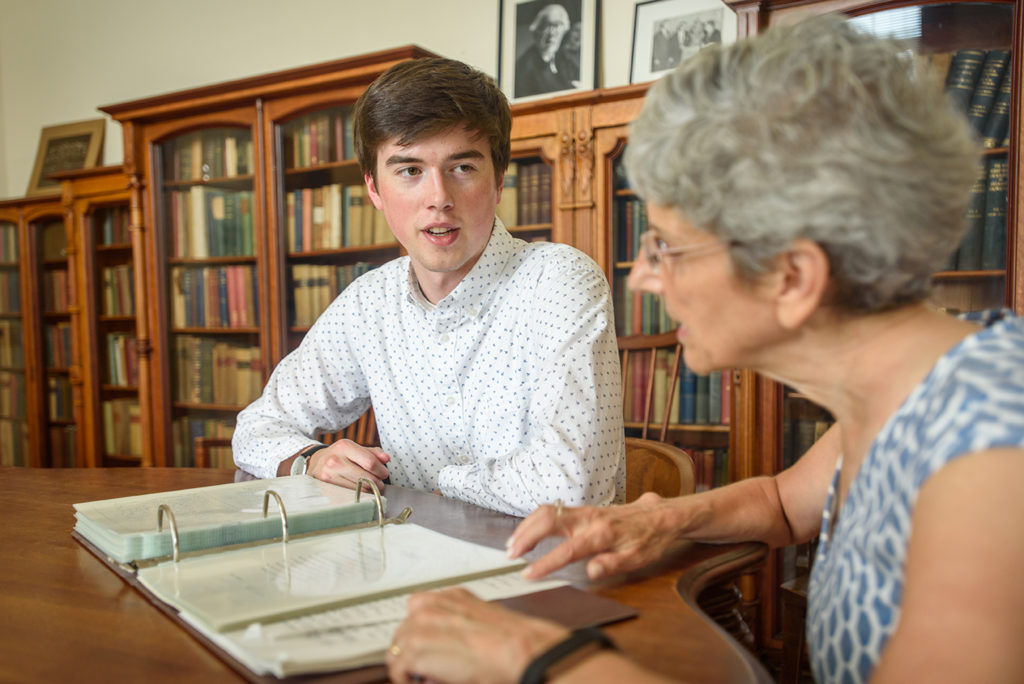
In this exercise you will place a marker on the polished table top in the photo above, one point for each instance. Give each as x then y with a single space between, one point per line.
65 616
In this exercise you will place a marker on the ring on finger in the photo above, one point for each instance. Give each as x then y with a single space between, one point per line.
394 650
559 504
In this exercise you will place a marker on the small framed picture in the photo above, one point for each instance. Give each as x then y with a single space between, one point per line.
66 147
547 47
665 32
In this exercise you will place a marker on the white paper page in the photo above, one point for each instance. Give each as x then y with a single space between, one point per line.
235 588
346 637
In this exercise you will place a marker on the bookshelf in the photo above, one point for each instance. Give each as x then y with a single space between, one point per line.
787 422
14 449
105 373
37 417
216 173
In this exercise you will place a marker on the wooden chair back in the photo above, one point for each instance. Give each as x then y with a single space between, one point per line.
657 467
649 347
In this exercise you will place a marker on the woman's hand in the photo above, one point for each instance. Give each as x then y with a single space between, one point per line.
344 462
620 538
452 636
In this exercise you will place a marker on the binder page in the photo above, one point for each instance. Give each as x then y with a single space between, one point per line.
342 638
235 588
126 528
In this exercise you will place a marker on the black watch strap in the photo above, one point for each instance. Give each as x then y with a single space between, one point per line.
537 671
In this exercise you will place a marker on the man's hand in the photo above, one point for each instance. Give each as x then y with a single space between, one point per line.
344 462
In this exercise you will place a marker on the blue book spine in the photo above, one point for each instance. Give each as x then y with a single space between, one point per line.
687 396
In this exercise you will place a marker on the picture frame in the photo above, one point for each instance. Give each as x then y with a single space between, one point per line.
666 32
547 47
65 147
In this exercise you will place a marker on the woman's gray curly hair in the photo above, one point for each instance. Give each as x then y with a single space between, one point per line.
813 131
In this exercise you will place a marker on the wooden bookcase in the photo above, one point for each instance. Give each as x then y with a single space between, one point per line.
110 409
787 422
37 416
212 170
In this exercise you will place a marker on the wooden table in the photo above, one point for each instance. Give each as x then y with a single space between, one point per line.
65 616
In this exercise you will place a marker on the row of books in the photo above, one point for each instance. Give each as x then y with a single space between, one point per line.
10 292
122 359
314 287
13 442
122 432
333 216
56 290
214 296
710 467
983 247
210 222
8 243
11 344
57 345
118 290
526 194
799 434
211 371
114 223
696 399
630 221
58 397
12 395
213 153
185 429
637 313
319 138
62 446
979 83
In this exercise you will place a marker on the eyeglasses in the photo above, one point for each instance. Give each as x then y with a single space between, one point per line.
655 250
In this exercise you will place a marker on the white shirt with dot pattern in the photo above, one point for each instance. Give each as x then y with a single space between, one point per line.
506 394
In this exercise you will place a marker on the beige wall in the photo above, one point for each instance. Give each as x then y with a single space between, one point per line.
61 59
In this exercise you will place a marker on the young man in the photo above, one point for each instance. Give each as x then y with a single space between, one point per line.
490 363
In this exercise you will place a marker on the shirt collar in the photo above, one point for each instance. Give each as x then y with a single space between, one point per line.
473 293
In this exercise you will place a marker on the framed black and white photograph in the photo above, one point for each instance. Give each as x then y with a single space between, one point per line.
666 32
547 47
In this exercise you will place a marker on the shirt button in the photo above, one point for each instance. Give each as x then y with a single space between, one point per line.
464 459
445 338
451 401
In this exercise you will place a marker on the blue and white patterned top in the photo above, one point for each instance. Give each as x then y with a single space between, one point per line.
506 394
971 400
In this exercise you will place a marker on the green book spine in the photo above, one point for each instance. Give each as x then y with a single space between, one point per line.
989 80
963 76
993 244
969 256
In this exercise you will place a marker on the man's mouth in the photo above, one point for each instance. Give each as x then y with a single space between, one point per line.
439 231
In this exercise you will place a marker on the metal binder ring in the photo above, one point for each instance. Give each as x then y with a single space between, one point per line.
376 496
280 506
175 545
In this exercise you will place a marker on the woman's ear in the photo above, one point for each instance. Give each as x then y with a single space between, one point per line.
803 276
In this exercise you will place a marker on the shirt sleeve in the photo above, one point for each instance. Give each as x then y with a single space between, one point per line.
297 405
574 447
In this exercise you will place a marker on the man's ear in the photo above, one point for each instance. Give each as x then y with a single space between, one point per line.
803 277
371 190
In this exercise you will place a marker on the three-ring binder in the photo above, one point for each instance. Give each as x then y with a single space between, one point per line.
165 510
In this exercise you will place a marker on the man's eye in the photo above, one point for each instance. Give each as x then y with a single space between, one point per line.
409 171
464 168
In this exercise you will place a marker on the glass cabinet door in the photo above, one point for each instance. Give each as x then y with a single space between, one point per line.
13 426
52 263
329 231
207 230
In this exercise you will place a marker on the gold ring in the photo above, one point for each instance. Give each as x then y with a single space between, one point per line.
558 507
394 650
